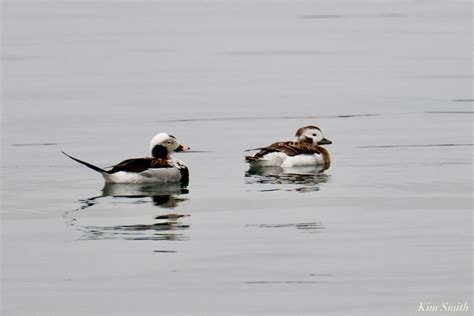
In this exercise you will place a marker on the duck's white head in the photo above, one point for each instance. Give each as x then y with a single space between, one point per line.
311 134
163 145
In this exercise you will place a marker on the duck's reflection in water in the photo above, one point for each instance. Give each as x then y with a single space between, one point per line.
164 196
163 226
300 179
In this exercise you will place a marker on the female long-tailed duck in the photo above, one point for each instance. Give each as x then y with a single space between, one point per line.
160 168
304 151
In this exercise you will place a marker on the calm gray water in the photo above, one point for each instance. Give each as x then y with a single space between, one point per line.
388 227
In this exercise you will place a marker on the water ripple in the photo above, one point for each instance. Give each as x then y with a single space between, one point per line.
411 146
285 282
256 118
311 226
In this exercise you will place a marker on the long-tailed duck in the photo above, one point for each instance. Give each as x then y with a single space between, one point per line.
304 151
160 168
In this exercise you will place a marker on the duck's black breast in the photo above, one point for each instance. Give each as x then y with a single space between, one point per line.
184 176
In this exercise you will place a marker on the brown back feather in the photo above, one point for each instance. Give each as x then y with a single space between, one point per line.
137 165
290 148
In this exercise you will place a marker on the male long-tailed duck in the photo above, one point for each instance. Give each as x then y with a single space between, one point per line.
160 168
304 151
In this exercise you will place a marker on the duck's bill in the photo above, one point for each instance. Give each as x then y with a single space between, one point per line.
183 147
324 141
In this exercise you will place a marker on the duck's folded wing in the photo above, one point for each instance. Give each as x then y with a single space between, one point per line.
289 148
137 165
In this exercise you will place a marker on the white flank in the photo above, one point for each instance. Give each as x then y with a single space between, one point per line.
158 175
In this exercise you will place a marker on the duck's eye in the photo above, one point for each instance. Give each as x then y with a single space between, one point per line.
169 142
314 134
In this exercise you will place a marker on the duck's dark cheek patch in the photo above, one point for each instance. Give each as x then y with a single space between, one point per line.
159 152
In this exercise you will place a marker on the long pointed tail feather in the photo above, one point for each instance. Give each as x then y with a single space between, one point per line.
86 164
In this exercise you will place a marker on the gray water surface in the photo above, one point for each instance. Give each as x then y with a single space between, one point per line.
388 227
